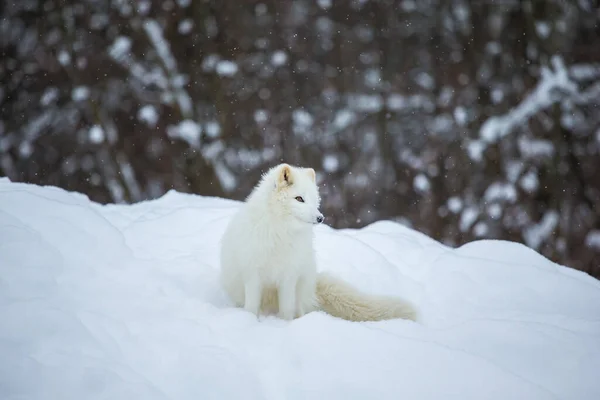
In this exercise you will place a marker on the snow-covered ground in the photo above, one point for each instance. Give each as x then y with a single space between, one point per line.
123 302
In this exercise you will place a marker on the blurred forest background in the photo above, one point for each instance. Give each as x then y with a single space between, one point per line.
463 119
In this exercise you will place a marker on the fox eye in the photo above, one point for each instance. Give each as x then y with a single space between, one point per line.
300 199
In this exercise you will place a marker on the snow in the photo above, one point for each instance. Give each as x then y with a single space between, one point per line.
129 178
371 103
454 204
421 183
49 96
120 48
226 68
331 163
500 191
530 182
261 116
425 80
210 62
143 7
475 149
585 71
302 120
324 4
155 34
497 95
99 21
536 234
80 93
123 302
396 102
494 210
25 149
96 134
148 114
170 74
552 81
225 176
460 116
33 130
373 77
64 58
535 148
480 229
513 169
187 130
343 119
185 26
408 5
543 29
467 218
441 124
279 58
213 129
592 239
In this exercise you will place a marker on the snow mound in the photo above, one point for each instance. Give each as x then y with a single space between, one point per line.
123 302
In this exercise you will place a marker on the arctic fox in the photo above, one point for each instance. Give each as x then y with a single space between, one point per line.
268 262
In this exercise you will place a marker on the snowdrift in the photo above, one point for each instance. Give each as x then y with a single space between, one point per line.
123 302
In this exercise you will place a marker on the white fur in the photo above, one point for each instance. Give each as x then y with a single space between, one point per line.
268 260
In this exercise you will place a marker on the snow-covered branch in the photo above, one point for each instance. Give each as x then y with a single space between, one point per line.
557 83
176 80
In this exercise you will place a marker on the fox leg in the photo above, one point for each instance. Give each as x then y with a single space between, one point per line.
305 297
287 298
253 294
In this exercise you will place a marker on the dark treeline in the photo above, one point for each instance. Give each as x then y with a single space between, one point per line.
463 119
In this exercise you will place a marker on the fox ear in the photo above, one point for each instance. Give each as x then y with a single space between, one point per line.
311 173
285 175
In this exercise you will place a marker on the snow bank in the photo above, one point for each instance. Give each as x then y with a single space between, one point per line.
123 302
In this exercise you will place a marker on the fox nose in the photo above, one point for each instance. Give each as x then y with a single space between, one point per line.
320 219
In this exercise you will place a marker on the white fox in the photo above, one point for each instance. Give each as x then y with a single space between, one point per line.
268 262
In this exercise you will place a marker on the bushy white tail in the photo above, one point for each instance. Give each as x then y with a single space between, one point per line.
341 300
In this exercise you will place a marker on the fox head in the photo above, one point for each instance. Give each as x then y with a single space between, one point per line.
296 194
